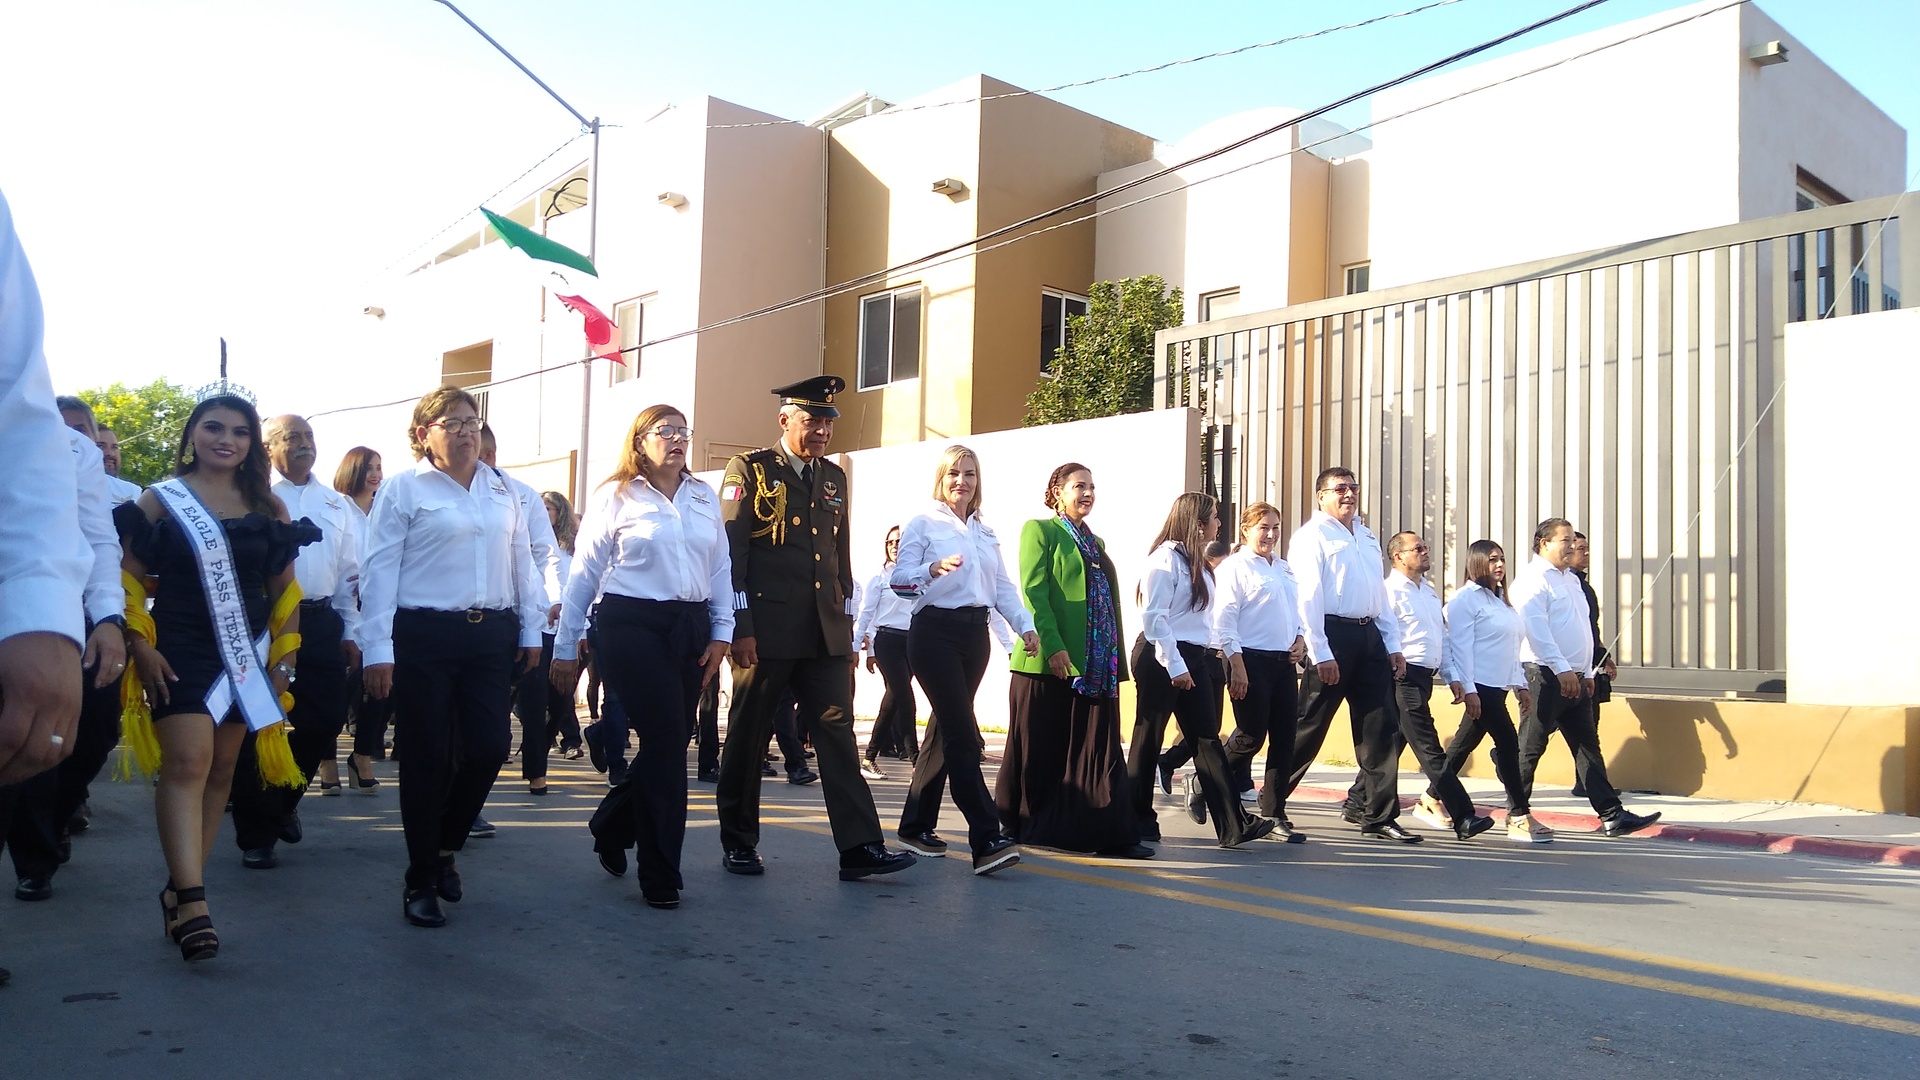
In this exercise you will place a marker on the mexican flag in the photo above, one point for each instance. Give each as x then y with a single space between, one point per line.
600 330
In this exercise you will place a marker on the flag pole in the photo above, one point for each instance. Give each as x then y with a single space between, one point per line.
593 237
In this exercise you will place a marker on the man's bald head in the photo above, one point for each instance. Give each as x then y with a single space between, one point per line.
290 446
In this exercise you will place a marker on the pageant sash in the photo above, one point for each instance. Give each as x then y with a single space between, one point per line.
245 682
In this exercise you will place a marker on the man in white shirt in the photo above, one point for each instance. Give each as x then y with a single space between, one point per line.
1423 633
1556 652
1353 650
328 573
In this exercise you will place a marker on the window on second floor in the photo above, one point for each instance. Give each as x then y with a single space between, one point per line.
1359 277
890 336
631 320
1056 308
1224 304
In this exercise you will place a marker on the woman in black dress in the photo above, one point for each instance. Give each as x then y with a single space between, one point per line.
1063 780
221 472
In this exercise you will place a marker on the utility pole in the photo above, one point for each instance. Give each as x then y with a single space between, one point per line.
593 240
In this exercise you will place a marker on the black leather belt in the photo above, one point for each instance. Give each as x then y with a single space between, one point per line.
316 601
974 616
1364 620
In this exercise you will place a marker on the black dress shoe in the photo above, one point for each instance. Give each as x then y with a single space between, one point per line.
1194 801
1150 834
1390 830
1255 829
290 830
37 887
260 858
591 736
1165 769
1472 827
740 860
767 769
1626 821
802 775
708 776
997 855
422 907
926 843
870 859
1352 814
614 862
82 818
1283 832
1127 851
449 884
665 899
63 847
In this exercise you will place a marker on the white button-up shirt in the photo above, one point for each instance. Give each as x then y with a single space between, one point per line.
1256 605
436 545
1168 614
330 569
1423 624
1483 640
44 559
546 546
1338 573
981 580
880 609
104 594
1553 611
121 491
634 541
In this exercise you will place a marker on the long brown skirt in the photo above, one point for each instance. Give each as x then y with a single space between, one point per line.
1063 781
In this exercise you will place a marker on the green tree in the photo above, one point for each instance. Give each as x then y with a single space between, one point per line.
148 420
1106 366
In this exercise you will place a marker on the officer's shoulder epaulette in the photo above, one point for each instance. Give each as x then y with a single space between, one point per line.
764 455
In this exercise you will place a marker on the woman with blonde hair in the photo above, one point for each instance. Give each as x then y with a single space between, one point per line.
1175 676
653 547
950 566
358 478
451 608
221 545
542 710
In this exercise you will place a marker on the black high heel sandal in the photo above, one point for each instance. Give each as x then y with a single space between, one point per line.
195 937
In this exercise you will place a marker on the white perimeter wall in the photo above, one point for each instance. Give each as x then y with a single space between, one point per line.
1849 481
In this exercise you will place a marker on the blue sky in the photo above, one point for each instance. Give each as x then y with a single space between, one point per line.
206 167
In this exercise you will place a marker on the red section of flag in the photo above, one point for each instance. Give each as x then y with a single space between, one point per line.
600 330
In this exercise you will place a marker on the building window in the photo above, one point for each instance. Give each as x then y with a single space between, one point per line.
1359 275
1224 304
889 337
630 319
1055 309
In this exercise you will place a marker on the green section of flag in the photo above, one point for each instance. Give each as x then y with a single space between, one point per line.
536 246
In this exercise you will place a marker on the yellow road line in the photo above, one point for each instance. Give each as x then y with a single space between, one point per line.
1482 952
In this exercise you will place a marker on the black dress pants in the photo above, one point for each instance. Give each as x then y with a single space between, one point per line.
707 727
1496 722
542 711
43 804
927 790
1413 693
822 680
319 713
896 728
652 652
1198 711
949 649
1366 686
370 718
1573 718
452 687
1266 715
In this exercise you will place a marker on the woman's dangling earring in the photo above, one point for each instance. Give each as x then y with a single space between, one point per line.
186 456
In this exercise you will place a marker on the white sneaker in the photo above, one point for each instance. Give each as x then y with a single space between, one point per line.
1429 812
1523 828
871 769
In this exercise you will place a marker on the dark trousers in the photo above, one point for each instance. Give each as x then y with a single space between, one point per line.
319 713
949 650
1573 718
822 681
1496 722
652 650
43 804
1265 715
786 732
452 687
896 728
609 733
707 727
1413 694
1366 686
541 710
370 719
1197 709
927 791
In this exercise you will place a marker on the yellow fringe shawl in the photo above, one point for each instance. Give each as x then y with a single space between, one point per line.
140 747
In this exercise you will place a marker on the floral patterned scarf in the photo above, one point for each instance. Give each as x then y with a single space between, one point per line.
1102 677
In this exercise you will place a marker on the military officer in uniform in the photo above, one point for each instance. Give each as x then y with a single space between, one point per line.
786 514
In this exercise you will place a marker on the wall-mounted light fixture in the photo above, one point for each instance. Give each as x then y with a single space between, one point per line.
950 187
1768 54
376 312
672 198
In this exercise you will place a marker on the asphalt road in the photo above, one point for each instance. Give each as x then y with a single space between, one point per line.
1337 958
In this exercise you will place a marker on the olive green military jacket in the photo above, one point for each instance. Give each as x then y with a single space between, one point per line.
792 573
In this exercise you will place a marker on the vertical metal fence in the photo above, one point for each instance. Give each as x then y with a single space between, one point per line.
1631 390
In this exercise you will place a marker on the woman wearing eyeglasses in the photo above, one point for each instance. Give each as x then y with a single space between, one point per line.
652 545
881 631
451 610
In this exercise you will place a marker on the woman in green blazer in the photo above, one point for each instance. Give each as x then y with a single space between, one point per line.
1063 781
